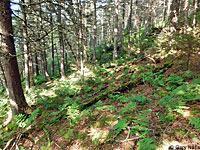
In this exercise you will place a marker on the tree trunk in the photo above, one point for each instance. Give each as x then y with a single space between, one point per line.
44 57
123 22
149 16
164 12
62 53
115 55
130 24
52 47
17 100
31 70
194 13
3 77
174 13
58 62
36 63
43 52
26 45
185 13
81 40
95 31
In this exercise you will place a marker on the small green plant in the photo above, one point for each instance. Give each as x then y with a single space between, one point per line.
188 74
180 63
124 111
131 106
196 122
147 144
169 101
24 120
141 123
69 135
167 118
173 81
120 126
118 98
39 80
45 148
109 107
141 99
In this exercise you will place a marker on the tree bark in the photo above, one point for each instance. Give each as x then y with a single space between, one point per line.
43 52
123 23
62 53
26 46
3 77
115 55
130 24
52 47
150 16
174 13
95 31
36 63
17 100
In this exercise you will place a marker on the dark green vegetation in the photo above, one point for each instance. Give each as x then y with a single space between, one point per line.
131 104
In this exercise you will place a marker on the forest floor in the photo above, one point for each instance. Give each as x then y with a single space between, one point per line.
162 110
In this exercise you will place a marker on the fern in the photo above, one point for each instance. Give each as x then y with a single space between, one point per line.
141 123
172 81
123 111
196 122
121 125
147 144
109 107
31 119
131 106
69 135
141 99
143 118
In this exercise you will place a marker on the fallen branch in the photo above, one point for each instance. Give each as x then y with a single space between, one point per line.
125 86
8 143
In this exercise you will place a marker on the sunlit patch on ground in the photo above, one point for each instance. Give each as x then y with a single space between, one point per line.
48 93
98 135
77 146
187 113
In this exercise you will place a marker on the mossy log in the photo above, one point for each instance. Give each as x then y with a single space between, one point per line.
123 87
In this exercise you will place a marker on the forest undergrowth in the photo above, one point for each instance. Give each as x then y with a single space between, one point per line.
159 111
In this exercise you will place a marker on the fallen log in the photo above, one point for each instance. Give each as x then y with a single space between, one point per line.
125 86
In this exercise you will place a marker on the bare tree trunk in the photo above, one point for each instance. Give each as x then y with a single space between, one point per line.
36 64
26 45
194 22
62 53
58 62
136 28
123 22
3 77
102 26
17 100
81 39
95 31
174 13
43 53
164 12
44 56
31 68
115 55
52 47
149 16
185 14
130 24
